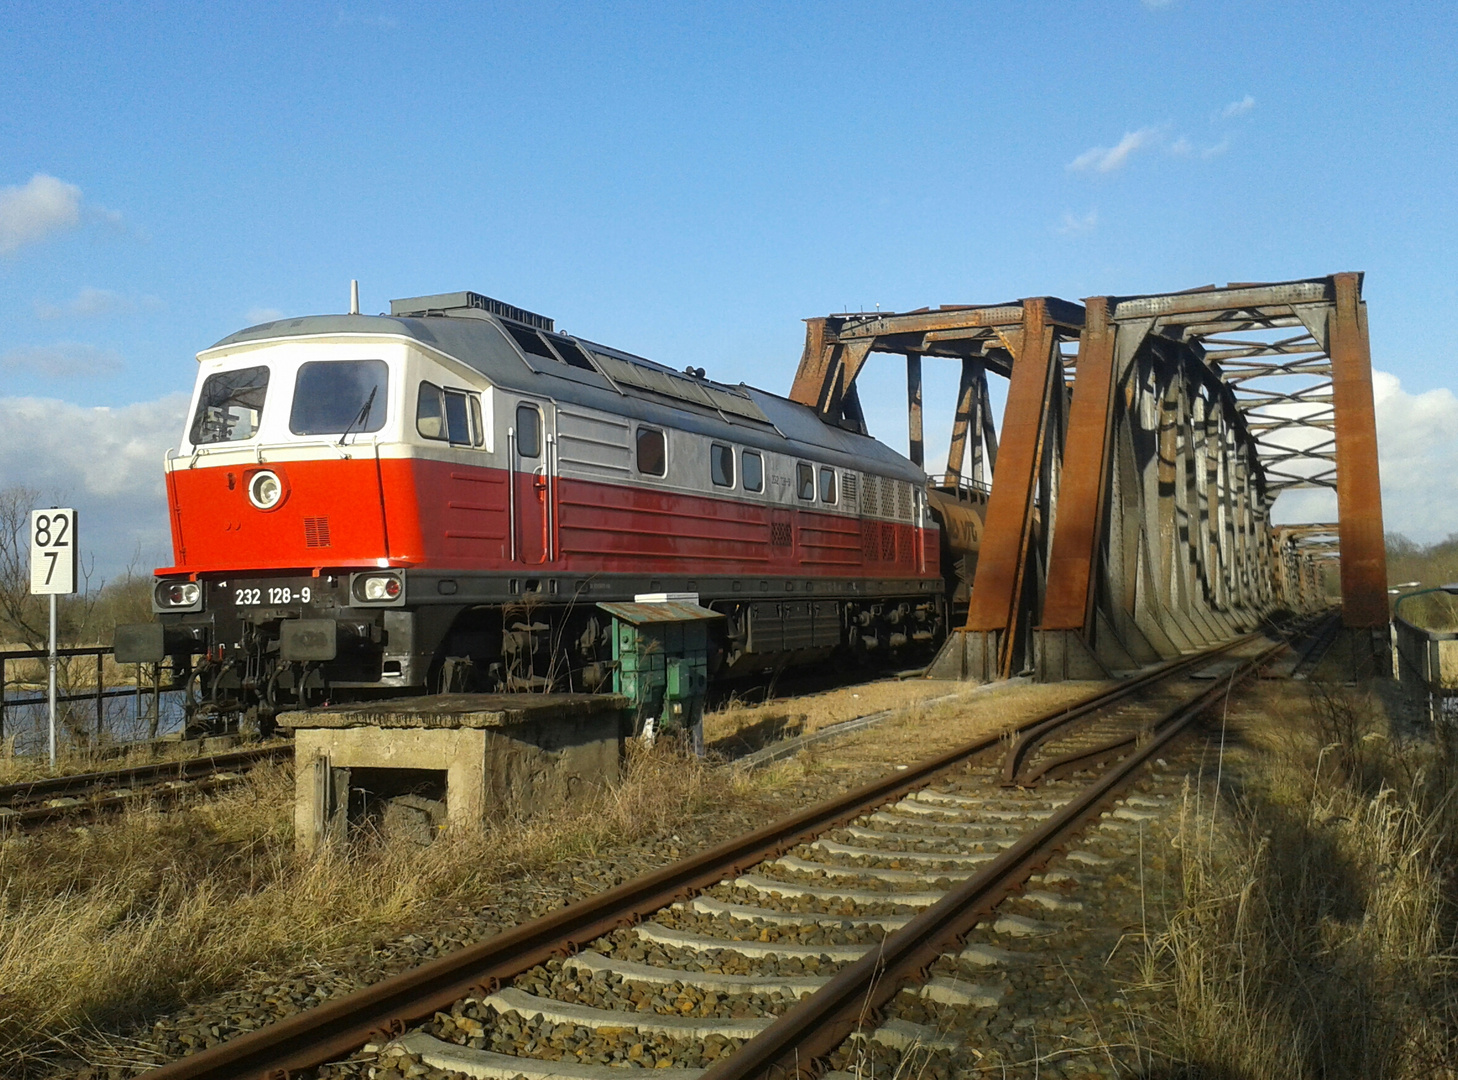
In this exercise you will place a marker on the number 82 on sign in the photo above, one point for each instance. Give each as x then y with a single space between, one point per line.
52 552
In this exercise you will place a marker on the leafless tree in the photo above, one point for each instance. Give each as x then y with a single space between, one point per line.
23 615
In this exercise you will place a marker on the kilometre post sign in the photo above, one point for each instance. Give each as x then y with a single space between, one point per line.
52 552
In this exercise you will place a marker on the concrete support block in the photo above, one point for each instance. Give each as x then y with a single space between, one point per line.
512 754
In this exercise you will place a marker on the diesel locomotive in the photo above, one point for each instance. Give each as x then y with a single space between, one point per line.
437 500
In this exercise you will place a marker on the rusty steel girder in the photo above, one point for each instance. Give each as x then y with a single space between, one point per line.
1280 409
1129 518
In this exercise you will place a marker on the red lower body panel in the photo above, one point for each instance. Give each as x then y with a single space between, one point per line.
440 514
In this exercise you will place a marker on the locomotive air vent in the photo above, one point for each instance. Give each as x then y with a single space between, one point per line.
848 483
466 303
316 532
871 503
780 534
903 502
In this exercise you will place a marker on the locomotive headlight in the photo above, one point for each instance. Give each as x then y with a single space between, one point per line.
176 595
378 588
265 490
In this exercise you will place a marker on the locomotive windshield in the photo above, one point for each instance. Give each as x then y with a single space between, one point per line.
335 397
229 406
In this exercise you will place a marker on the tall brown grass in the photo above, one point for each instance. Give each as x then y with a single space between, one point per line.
103 928
1316 933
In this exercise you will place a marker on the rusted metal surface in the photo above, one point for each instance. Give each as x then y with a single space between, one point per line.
967 418
917 451
1359 490
997 589
855 994
1068 604
837 346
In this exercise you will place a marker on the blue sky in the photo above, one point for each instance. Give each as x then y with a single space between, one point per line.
689 181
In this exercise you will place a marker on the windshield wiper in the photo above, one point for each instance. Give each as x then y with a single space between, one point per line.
364 414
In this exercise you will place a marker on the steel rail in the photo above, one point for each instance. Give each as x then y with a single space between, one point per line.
336 1028
1026 742
1076 760
51 787
852 997
34 816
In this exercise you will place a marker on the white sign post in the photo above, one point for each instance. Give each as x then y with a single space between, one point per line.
53 574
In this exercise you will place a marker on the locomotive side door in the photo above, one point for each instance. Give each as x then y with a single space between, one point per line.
530 449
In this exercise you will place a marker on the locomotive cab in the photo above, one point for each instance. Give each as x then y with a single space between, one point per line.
286 581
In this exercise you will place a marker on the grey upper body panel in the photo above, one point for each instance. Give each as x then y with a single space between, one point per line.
481 345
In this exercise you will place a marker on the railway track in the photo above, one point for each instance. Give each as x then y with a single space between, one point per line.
67 798
833 935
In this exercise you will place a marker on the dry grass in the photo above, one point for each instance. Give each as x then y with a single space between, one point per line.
104 926
763 722
1315 936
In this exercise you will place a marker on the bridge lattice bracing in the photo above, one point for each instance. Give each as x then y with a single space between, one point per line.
1129 516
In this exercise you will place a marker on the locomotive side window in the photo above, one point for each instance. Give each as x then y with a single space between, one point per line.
458 418
430 412
721 464
229 408
478 429
528 431
332 397
452 416
652 453
753 470
827 485
805 481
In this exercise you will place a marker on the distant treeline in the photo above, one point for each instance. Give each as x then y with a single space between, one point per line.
1429 565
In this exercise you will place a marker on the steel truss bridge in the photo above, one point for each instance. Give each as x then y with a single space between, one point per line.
1143 442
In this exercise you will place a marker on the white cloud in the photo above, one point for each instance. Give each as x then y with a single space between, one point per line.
64 360
30 213
105 462
1238 108
1076 224
1417 447
1216 150
1417 442
1181 147
45 206
1108 158
92 303
258 315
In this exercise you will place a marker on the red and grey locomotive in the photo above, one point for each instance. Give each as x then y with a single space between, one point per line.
438 499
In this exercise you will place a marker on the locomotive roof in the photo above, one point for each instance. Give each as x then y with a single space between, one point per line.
480 342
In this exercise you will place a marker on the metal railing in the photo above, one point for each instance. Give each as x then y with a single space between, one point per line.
976 487
1427 663
98 695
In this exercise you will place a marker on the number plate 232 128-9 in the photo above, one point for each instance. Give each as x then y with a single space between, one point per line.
271 595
